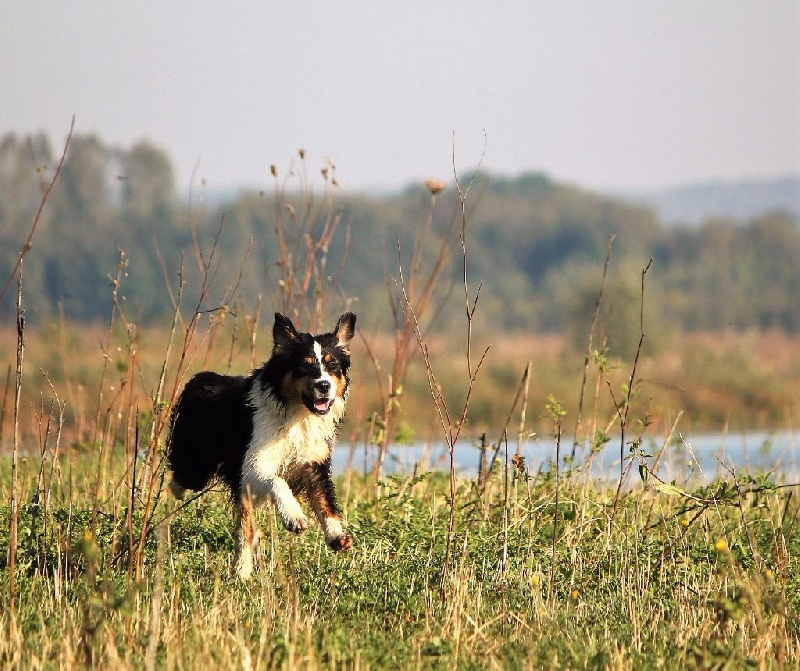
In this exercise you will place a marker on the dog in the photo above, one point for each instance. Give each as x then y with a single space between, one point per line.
268 436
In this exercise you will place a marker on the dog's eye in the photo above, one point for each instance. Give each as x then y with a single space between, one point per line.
305 367
331 363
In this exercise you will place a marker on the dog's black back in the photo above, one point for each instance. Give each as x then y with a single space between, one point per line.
211 427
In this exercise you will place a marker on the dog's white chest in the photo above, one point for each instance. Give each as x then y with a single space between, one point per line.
281 439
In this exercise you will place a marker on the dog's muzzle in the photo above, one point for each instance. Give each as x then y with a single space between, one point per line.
320 399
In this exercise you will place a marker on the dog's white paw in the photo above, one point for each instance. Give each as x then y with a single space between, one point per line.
290 512
335 536
296 525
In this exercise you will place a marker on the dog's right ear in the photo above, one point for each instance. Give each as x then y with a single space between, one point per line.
283 331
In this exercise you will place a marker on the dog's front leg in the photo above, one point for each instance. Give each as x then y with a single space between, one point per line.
259 477
322 496
287 505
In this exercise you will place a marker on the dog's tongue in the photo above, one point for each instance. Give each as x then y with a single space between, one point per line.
322 405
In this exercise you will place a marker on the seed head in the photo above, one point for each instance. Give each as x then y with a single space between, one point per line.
435 185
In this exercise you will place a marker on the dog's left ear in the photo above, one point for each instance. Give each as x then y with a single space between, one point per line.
345 328
283 331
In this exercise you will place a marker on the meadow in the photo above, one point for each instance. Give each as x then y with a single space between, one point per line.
541 574
513 568
516 567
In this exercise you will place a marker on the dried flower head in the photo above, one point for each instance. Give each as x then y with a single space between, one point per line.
435 185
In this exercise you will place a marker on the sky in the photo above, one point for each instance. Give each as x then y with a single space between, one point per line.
606 94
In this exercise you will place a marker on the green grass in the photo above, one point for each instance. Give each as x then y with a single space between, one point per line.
655 581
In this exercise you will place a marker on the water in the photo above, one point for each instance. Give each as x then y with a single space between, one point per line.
699 458
685 458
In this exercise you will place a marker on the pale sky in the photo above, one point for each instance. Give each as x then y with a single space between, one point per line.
605 94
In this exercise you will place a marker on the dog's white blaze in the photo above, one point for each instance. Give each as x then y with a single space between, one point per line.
325 374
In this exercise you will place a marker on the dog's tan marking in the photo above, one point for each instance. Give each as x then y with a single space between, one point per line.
329 520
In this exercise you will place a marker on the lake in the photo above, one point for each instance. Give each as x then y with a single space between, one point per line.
686 458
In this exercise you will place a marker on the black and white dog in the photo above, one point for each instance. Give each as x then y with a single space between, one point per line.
269 435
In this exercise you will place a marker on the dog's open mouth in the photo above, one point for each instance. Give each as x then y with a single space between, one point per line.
319 406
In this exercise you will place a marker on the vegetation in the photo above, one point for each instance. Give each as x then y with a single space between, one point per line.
516 567
548 238
649 581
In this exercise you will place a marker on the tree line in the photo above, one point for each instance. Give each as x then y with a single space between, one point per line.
536 246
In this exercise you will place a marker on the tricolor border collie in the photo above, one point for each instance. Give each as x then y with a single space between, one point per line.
268 436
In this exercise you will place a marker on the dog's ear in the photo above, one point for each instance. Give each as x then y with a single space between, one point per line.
283 331
345 328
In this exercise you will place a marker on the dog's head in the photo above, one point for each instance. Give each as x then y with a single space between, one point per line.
310 369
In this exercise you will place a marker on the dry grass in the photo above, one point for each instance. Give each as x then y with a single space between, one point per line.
721 381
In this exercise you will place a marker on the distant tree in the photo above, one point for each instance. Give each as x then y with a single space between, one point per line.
537 247
83 197
148 185
25 163
770 252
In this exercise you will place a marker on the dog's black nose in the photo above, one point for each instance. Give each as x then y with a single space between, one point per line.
322 386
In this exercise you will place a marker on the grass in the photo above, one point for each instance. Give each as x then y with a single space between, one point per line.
512 570
740 382
651 581
538 572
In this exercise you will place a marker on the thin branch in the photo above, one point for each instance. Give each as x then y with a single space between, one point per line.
595 315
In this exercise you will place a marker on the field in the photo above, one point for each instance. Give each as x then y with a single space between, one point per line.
515 568
540 575
533 570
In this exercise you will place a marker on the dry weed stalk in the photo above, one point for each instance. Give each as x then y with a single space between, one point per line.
419 289
451 424
18 273
484 469
12 540
149 483
304 234
578 438
623 410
